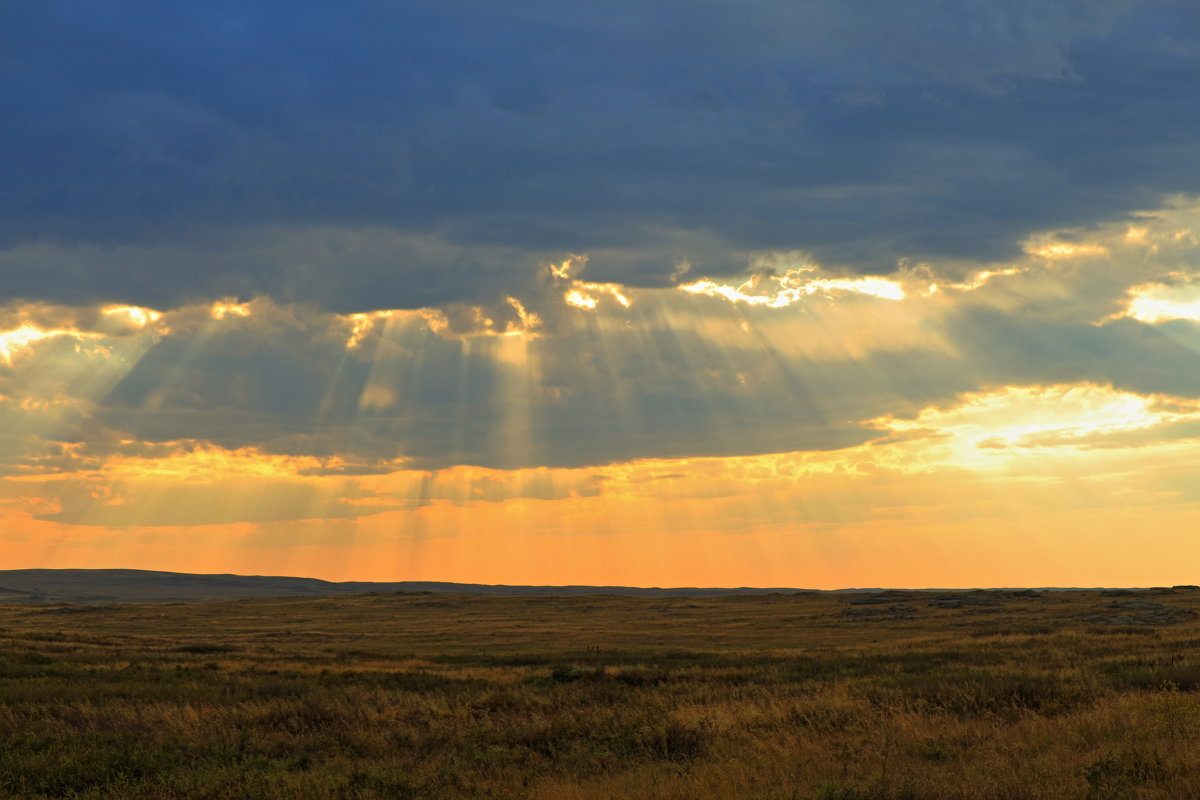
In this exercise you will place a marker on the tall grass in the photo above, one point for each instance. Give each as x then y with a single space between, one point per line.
398 696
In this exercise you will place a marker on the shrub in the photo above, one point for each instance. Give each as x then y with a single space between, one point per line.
1117 769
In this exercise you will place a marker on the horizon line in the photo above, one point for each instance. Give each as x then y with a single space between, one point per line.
763 589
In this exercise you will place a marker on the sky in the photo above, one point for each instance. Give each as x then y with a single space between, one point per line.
815 293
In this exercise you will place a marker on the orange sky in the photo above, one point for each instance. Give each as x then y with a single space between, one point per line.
1079 480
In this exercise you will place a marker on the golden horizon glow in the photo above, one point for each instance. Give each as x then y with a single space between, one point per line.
723 497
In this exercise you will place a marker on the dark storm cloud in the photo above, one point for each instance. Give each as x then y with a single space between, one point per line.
370 154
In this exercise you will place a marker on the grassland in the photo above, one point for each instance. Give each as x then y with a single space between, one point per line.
841 697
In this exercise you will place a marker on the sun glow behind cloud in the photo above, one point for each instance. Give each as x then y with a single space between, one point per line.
583 294
19 339
988 429
135 316
781 291
1157 302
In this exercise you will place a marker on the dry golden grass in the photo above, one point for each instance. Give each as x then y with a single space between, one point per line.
996 695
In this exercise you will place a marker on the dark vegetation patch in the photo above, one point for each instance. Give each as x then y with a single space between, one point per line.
1116 772
978 695
1028 630
207 648
1130 613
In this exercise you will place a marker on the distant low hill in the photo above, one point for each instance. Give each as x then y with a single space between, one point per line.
146 586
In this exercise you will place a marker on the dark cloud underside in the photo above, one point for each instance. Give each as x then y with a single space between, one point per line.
367 154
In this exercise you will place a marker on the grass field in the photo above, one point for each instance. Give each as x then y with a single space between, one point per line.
1003 695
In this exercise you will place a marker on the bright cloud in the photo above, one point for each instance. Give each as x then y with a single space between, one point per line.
791 287
1157 302
988 429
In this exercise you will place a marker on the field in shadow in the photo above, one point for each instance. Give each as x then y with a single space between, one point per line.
885 696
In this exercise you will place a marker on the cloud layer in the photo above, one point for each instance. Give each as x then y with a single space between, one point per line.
572 373
375 156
